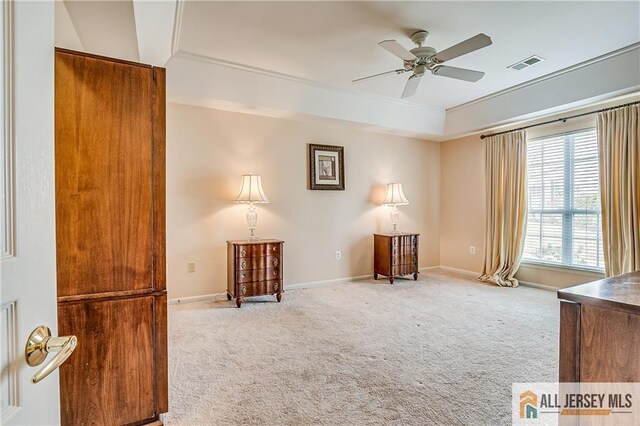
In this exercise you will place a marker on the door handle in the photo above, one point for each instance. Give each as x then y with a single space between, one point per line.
40 343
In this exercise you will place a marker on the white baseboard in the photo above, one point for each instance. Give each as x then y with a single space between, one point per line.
312 284
477 274
223 296
460 271
214 297
540 286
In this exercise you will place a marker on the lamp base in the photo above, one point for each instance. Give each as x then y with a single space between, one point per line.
252 220
395 219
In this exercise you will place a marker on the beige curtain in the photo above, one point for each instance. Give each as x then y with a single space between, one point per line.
619 152
506 159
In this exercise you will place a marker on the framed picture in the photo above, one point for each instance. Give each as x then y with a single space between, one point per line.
326 167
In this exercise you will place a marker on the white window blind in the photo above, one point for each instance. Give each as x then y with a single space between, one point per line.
563 224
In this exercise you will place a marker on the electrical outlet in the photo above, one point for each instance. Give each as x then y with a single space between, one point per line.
472 249
191 267
338 255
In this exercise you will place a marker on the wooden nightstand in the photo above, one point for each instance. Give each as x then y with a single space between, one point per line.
254 268
395 255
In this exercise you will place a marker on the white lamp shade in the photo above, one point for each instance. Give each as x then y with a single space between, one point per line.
251 190
395 196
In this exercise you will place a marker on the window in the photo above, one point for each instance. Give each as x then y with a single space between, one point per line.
563 225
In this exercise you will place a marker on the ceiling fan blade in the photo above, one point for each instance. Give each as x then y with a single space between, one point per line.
411 87
396 48
458 73
399 71
474 43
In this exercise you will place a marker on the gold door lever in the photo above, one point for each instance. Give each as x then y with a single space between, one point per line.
40 343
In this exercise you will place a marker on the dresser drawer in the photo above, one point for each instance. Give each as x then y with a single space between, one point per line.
260 287
409 260
258 275
261 262
257 250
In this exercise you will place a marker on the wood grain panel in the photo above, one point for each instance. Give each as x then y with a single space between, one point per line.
161 356
103 112
609 345
381 254
569 342
112 365
110 222
159 179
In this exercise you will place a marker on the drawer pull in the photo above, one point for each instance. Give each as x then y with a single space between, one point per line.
275 286
244 275
275 272
243 264
275 262
243 252
243 290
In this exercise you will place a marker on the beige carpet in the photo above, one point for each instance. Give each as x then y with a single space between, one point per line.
443 350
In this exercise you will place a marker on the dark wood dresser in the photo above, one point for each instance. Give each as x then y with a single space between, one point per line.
600 330
254 268
395 255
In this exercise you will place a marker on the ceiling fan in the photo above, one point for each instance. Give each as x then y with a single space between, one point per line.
421 59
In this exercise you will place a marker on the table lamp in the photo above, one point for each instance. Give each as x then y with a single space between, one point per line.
395 197
251 192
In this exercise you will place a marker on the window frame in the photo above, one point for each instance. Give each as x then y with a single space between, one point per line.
567 214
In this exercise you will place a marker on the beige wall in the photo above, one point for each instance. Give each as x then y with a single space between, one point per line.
462 202
208 151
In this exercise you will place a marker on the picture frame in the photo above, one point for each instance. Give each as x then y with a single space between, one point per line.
326 167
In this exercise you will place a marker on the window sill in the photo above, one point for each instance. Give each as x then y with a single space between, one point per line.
591 272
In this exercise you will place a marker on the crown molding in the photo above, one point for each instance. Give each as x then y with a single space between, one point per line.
177 27
592 61
183 54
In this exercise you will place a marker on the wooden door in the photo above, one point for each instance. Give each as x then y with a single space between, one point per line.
110 229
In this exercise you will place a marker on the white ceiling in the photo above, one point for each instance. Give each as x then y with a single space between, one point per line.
335 42
297 58
107 27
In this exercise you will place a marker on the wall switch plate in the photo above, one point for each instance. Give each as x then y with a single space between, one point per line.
191 267
472 249
338 255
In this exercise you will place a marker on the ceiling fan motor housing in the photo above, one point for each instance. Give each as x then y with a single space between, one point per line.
423 52
420 69
419 37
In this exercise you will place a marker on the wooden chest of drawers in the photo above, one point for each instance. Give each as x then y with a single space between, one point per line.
395 255
254 268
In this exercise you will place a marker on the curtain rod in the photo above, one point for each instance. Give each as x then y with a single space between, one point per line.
563 119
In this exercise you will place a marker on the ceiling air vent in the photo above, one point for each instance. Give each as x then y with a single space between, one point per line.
532 60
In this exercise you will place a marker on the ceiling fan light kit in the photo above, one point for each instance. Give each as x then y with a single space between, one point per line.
421 59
